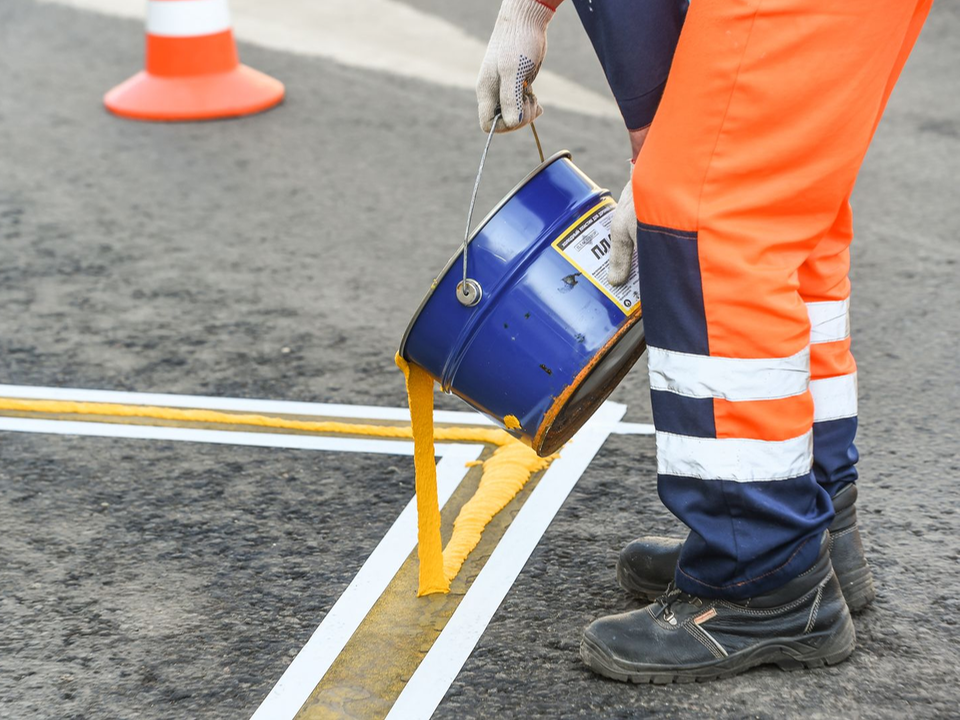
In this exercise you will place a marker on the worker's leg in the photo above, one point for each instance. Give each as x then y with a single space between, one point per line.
766 117
648 564
825 289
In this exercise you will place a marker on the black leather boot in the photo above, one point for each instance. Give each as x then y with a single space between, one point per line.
846 551
684 638
647 565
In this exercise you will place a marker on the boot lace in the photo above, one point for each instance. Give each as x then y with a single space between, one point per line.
671 597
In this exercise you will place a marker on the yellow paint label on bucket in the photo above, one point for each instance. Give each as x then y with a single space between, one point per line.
586 246
511 423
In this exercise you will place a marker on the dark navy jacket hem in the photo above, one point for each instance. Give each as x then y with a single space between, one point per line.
638 112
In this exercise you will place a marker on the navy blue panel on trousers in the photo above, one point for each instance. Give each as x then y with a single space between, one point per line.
683 415
671 290
745 531
834 454
635 41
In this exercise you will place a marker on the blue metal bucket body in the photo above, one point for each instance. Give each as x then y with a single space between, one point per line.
541 320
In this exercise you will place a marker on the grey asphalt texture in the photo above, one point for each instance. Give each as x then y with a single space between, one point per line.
141 579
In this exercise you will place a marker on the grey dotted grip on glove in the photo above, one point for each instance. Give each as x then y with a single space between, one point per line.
516 50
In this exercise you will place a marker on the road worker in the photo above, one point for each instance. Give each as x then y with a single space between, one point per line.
748 129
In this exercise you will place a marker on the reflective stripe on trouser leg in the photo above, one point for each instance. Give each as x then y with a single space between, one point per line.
833 386
734 188
825 287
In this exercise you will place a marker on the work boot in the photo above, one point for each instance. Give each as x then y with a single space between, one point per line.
846 551
647 565
683 638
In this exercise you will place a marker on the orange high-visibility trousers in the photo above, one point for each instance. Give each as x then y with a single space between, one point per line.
742 195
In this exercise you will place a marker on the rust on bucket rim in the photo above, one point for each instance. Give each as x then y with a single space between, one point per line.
550 417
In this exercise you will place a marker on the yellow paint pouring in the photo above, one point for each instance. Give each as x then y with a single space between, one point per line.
505 472
429 545
504 475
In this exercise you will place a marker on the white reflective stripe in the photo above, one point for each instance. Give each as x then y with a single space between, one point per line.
829 321
187 18
701 376
734 459
834 398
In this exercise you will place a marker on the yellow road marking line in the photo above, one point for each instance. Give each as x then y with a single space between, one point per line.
396 548
368 675
426 688
492 436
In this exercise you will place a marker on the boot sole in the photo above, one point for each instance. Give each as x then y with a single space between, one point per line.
828 647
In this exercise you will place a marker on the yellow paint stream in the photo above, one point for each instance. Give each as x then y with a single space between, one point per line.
429 545
505 473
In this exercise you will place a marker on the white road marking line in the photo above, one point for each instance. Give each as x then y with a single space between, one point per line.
267 407
328 640
429 683
216 437
382 35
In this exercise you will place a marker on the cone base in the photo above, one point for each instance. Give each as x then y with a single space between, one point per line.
241 91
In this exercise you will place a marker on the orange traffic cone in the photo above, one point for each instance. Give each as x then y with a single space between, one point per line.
192 68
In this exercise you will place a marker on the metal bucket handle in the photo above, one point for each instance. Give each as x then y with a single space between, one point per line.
469 292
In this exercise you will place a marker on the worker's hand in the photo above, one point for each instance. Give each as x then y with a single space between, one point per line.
516 50
623 238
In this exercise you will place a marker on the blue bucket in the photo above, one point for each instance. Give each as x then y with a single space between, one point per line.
536 338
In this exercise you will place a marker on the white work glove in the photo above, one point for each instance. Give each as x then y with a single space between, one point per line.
623 238
514 55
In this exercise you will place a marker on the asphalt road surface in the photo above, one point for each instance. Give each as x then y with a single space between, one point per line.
146 579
